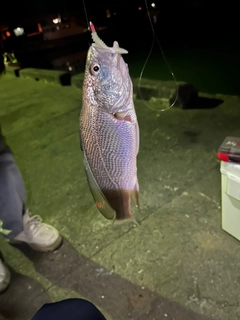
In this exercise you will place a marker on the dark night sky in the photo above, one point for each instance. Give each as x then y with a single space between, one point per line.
27 8
17 8
219 13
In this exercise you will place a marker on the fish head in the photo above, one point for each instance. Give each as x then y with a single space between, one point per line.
107 80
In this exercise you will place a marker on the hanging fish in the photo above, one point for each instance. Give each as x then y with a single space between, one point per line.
109 131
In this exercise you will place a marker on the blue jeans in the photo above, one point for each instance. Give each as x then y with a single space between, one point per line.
12 196
70 309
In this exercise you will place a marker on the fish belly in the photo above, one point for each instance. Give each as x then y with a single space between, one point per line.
110 151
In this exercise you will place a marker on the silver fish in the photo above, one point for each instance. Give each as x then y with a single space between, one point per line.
109 131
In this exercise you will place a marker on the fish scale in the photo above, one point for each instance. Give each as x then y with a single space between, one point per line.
109 131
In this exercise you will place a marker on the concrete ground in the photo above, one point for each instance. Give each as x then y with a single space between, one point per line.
179 264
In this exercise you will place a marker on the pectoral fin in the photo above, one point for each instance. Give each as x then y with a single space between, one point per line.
99 198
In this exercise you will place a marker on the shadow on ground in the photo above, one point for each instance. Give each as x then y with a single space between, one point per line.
204 103
73 271
20 299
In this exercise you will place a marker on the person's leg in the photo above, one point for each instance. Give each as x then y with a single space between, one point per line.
15 222
12 197
69 309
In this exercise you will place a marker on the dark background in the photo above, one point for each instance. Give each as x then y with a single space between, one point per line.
193 12
186 21
200 38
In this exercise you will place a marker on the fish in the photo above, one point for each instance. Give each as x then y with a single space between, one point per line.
109 130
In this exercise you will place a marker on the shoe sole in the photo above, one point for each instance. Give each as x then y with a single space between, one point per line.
54 246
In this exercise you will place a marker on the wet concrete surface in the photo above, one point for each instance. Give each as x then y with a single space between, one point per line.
179 264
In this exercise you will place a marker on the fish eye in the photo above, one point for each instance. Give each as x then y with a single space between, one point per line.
95 68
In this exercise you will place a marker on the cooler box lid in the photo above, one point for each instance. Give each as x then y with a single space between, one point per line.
230 150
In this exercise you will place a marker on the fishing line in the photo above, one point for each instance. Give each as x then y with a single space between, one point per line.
85 11
165 60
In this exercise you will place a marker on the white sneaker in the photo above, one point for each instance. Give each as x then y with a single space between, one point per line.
38 235
4 276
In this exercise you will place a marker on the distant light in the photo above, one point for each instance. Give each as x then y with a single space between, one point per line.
108 13
70 68
57 20
39 28
18 31
139 8
8 34
153 5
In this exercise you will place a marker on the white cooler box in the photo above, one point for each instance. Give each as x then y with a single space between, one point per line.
230 177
